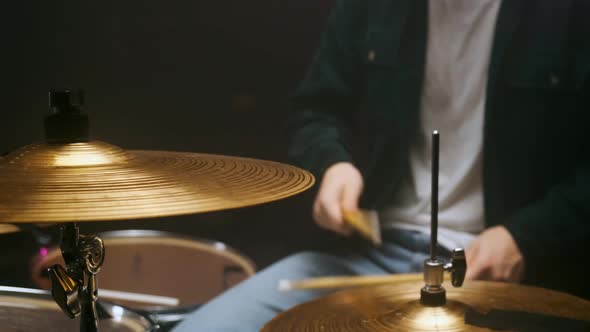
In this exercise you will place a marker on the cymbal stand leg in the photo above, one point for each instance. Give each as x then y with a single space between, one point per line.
75 288
88 297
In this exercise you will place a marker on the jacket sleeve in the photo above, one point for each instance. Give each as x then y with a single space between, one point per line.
553 233
319 127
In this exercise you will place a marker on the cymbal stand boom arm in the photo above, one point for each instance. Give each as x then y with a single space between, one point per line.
75 288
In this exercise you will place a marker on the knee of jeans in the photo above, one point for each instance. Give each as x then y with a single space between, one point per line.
302 259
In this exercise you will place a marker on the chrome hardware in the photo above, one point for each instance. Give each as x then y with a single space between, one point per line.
457 267
64 291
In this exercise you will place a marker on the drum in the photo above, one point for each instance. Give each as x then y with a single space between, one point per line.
28 310
163 275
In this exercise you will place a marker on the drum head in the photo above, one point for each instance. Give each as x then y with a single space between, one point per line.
27 310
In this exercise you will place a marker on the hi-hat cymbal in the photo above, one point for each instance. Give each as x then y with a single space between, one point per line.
397 307
95 181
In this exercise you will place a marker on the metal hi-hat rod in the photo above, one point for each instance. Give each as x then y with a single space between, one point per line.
433 293
434 197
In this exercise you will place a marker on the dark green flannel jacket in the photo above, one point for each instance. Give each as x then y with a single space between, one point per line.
536 172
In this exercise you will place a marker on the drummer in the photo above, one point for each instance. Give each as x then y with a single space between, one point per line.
507 85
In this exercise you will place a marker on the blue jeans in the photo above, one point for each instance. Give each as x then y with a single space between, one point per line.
249 305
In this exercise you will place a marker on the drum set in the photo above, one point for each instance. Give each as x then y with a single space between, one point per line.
148 271
70 179
143 278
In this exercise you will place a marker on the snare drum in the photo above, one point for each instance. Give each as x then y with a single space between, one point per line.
25 309
157 273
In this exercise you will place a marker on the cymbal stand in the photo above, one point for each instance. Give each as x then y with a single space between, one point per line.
74 288
433 293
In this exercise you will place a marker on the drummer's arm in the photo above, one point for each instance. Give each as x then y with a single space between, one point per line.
542 240
319 127
538 239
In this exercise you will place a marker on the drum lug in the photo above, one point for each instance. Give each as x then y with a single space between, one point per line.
64 291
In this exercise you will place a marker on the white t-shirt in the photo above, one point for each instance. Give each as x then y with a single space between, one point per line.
460 35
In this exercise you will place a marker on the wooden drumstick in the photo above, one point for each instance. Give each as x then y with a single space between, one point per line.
365 222
139 297
344 282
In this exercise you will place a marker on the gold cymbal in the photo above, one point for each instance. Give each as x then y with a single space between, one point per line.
397 307
95 181
8 228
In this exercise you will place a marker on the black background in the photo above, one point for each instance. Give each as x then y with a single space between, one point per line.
202 76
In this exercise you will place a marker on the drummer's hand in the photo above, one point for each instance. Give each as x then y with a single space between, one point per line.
493 255
341 188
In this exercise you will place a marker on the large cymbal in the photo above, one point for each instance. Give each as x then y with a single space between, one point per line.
95 181
397 307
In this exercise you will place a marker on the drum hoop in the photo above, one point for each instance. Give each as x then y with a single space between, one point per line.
32 292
